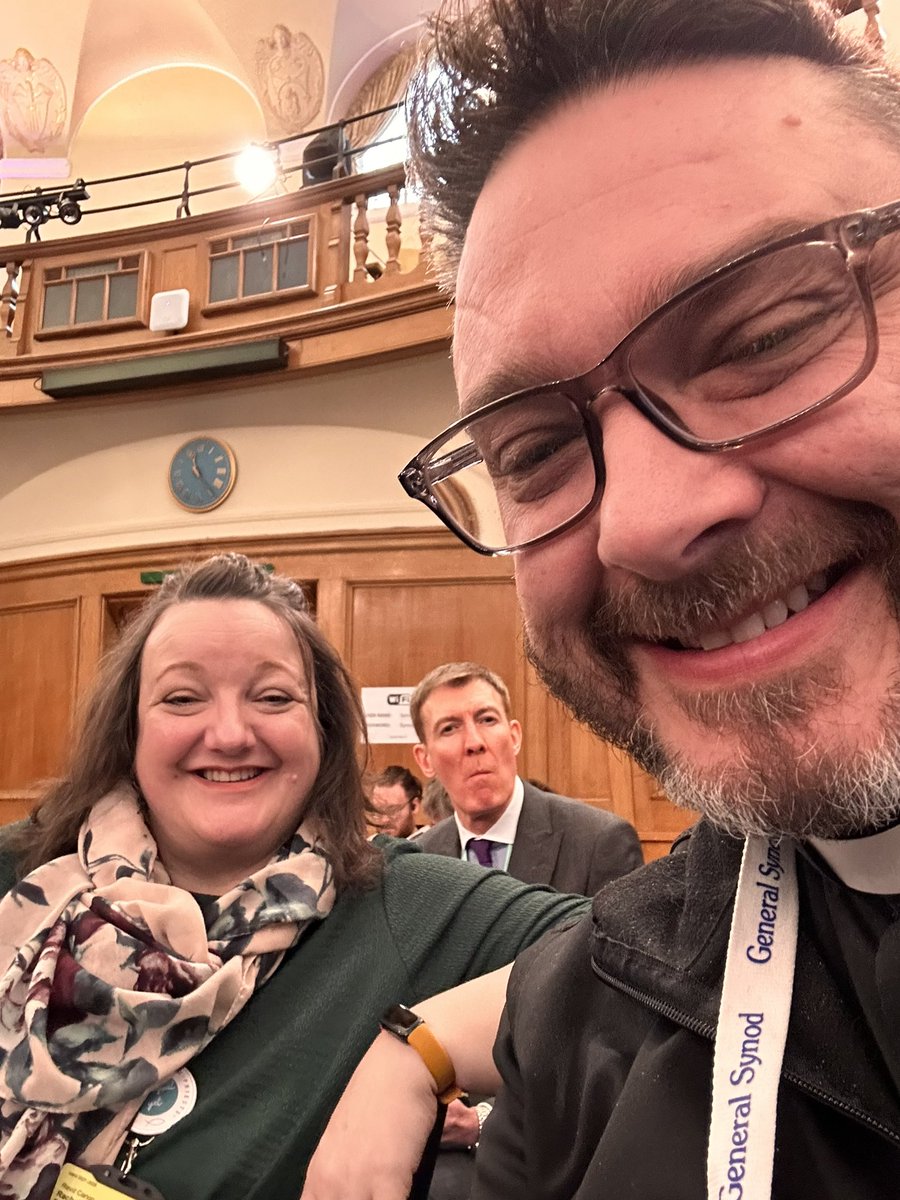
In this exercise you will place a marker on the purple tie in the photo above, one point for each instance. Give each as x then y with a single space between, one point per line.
481 848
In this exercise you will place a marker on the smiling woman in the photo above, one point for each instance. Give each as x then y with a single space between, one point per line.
209 838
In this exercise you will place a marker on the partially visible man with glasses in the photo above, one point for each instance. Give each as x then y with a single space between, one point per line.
396 797
670 227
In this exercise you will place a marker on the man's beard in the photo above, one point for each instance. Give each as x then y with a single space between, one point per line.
778 781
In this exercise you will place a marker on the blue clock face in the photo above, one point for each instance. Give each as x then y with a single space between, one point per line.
202 473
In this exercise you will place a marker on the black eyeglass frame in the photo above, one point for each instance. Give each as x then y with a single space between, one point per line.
854 235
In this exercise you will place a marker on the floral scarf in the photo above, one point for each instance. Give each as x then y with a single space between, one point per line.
110 981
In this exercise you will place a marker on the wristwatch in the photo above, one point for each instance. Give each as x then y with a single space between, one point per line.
409 1027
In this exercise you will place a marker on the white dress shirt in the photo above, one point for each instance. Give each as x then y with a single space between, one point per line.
503 830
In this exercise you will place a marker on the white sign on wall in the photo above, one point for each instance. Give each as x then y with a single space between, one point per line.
387 715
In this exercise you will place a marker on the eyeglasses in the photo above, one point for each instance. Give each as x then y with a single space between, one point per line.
385 814
752 348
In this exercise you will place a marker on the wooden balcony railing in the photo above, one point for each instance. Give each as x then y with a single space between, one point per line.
336 271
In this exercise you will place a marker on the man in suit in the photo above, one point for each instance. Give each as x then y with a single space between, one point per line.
470 742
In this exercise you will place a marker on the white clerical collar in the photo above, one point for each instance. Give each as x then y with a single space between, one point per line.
504 828
866 864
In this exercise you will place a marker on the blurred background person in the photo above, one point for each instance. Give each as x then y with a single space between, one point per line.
396 800
436 804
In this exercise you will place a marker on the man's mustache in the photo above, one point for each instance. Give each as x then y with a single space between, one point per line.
759 567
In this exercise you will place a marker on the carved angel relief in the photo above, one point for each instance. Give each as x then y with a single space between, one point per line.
291 77
32 100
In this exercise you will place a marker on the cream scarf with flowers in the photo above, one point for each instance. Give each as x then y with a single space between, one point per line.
110 981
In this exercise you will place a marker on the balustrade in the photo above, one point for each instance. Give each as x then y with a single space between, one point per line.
311 267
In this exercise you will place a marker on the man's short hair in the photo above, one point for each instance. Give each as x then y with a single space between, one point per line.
455 675
395 774
494 71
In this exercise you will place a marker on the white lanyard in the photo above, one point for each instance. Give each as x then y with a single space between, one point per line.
753 1021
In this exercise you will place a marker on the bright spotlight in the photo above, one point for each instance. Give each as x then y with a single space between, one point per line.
256 168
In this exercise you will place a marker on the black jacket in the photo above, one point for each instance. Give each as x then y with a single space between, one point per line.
606 1046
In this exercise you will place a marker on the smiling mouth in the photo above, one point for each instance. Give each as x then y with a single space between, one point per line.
240 775
769 615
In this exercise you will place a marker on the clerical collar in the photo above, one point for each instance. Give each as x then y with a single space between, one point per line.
866 864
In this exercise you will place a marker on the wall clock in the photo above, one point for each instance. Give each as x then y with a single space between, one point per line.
202 473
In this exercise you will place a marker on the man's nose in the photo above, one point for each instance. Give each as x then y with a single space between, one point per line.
667 510
474 738
229 728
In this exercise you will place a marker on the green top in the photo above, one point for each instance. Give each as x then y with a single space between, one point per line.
267 1084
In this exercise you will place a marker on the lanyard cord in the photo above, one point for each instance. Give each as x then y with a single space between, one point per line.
753 1022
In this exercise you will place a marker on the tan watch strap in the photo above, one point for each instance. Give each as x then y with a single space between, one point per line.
437 1060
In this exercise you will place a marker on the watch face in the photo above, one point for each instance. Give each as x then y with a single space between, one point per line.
400 1020
202 473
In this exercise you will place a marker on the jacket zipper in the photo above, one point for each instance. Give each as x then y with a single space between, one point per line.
708 1031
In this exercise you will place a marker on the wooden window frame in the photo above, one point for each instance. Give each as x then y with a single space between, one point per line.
137 321
211 307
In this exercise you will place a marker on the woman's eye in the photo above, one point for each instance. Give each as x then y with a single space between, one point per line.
275 699
180 700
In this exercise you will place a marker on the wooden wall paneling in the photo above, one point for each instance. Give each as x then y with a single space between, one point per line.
586 762
657 818
605 776
533 715
38 662
91 639
331 612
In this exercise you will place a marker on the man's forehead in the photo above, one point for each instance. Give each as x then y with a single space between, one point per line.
618 199
388 791
448 700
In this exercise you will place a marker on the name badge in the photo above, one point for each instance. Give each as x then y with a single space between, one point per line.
100 1183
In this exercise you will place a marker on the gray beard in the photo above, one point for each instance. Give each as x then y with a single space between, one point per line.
779 783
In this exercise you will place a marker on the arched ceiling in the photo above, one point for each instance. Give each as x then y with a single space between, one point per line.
107 88
95 88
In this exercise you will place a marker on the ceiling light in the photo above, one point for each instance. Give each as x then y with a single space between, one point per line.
256 168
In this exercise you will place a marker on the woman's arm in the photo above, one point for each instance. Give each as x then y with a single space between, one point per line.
375 1137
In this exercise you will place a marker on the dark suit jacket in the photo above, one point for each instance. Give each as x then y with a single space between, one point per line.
564 843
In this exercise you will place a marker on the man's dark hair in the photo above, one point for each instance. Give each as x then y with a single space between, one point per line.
395 774
494 71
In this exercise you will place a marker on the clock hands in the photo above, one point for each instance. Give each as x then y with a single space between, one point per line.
197 471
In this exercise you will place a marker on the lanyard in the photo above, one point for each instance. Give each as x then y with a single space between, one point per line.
753 1020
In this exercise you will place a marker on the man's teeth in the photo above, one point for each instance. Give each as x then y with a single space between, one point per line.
231 776
775 613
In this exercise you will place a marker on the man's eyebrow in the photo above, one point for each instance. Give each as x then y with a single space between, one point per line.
499 382
516 376
664 286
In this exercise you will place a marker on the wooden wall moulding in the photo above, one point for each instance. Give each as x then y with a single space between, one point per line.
394 603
